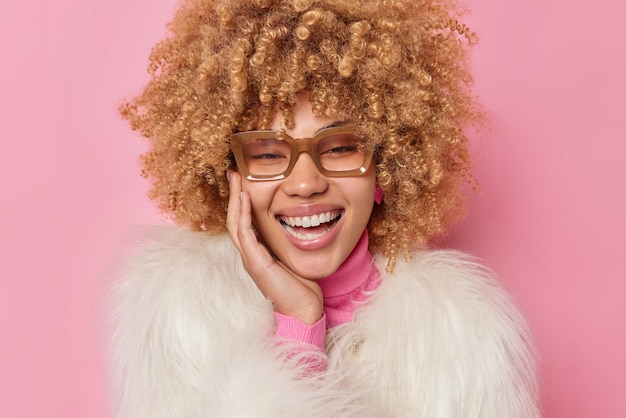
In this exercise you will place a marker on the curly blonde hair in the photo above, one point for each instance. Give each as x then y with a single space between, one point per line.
397 68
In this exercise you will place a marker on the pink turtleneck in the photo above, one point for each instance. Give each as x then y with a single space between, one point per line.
344 291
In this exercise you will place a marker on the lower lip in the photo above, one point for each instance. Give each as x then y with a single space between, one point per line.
320 242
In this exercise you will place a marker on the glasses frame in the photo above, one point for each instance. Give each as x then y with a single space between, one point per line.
297 146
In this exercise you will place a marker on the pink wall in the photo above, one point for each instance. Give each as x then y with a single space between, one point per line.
549 219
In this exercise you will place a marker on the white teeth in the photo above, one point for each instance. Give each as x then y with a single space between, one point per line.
307 222
310 221
305 237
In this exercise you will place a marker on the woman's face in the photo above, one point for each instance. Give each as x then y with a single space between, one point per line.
339 207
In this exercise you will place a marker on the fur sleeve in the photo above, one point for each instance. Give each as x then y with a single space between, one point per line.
440 338
192 340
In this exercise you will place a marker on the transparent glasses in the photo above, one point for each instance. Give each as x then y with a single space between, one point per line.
271 155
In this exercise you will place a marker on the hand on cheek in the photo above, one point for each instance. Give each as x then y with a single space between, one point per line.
291 295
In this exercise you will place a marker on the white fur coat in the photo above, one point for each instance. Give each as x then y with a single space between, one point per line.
193 339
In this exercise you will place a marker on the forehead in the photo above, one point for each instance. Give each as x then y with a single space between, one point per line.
305 123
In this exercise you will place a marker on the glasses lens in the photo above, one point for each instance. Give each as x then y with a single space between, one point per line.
341 152
266 156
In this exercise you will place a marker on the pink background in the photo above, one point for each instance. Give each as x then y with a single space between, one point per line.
549 218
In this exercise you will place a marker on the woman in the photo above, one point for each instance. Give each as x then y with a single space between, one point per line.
311 149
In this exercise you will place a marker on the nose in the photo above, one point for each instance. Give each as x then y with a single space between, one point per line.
305 180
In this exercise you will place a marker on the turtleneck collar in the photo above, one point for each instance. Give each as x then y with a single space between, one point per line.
351 273
349 287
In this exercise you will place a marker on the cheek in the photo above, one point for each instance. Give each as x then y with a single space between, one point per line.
261 195
361 190
364 187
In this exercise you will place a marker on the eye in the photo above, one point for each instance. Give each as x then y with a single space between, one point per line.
341 149
266 156
339 145
265 151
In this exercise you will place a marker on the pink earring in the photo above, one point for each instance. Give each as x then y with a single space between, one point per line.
378 194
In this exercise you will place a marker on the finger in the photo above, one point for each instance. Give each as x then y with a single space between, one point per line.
250 245
239 225
234 206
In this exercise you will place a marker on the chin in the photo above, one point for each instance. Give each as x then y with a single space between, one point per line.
314 270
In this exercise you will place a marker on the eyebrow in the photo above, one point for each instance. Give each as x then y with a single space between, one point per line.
333 125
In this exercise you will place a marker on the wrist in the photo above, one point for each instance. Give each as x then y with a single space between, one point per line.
307 316
292 328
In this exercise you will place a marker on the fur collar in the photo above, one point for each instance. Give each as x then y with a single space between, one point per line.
438 338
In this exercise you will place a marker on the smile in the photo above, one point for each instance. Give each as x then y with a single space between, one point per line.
310 227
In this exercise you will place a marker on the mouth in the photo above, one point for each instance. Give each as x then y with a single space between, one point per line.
308 228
